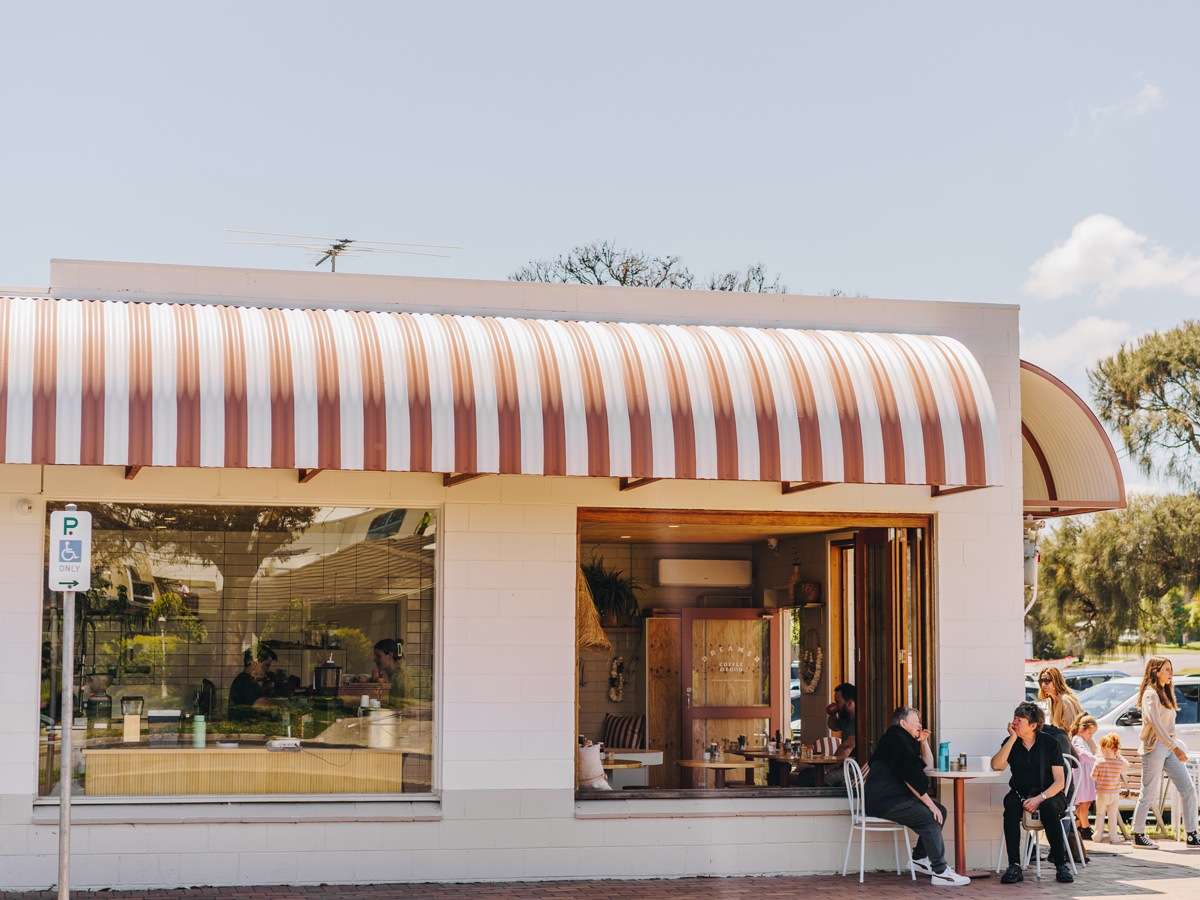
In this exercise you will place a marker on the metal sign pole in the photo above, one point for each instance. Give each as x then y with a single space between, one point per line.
66 773
69 570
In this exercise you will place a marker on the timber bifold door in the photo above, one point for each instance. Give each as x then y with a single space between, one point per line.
730 683
893 629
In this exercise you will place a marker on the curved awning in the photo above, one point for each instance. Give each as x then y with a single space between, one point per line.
177 384
1068 463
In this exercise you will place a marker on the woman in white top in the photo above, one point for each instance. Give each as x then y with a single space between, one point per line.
1161 749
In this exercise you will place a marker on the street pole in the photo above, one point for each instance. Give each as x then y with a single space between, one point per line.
66 774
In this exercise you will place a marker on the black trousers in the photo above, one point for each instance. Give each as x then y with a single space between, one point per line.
917 816
1052 811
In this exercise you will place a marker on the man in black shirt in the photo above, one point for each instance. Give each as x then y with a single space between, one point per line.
897 789
1037 782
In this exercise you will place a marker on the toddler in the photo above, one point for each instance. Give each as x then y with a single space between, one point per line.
1107 773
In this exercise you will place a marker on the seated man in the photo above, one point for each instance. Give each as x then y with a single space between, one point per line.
841 717
897 789
246 697
1036 785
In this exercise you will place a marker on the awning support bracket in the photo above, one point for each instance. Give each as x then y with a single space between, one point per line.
628 484
451 479
131 472
939 490
307 475
795 487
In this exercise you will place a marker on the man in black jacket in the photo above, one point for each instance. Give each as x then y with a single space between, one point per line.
897 789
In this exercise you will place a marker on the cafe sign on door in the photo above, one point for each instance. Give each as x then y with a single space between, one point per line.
70 551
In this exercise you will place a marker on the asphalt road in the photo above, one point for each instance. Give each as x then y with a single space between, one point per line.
1136 665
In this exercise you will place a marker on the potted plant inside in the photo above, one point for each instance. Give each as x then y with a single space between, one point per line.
613 592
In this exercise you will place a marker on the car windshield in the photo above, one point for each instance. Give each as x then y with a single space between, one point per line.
1102 699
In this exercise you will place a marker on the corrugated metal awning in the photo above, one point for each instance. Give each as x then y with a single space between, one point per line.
178 384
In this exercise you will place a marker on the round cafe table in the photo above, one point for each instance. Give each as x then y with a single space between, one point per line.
782 764
619 763
960 779
719 768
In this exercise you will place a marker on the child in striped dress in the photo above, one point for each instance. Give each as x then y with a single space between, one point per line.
1107 774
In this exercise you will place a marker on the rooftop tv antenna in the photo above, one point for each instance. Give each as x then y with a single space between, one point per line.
325 248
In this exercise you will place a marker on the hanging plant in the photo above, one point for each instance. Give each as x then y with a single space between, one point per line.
613 592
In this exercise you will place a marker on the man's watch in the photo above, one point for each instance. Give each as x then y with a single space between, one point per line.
1042 795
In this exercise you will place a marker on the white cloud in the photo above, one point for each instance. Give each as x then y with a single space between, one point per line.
1149 98
1084 343
1104 253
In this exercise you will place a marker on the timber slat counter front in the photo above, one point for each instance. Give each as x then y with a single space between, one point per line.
146 771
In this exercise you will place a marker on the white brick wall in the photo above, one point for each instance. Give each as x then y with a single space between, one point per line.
507 664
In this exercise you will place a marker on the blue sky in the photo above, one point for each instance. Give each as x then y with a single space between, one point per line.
1041 154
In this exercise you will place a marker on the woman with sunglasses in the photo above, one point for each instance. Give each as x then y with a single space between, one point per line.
1162 750
1064 705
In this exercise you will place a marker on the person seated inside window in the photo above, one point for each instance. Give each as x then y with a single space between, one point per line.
841 717
247 700
897 789
390 670
1036 786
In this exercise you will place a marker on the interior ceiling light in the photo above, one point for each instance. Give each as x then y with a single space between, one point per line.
626 537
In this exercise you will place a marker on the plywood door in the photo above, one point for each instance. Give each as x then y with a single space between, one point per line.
664 662
731 678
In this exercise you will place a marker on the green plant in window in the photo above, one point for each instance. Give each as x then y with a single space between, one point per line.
614 593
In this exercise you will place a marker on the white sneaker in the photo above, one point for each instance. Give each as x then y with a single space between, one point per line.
949 878
922 865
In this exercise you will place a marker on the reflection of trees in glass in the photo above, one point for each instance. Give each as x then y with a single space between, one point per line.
289 624
235 540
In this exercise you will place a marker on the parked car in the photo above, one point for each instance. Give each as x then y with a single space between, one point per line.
1082 679
1078 680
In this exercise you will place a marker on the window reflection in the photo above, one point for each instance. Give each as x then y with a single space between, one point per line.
213 634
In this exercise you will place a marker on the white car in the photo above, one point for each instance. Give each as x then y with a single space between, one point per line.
1114 704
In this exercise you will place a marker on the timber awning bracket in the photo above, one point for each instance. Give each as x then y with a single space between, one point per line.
450 479
945 490
795 487
628 484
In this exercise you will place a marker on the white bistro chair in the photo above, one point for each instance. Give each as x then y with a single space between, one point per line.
862 823
1032 837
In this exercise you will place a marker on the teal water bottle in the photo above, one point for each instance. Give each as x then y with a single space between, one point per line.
198 732
944 756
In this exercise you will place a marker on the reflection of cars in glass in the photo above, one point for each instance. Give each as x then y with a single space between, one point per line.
795 695
386 524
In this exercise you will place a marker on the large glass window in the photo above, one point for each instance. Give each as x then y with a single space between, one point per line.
248 650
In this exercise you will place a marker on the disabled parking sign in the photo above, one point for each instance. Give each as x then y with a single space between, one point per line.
70 565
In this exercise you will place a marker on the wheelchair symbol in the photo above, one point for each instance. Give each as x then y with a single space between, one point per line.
70 551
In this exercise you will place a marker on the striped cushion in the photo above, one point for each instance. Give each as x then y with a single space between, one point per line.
827 746
626 732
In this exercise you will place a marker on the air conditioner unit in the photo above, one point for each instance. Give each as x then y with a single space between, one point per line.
723 573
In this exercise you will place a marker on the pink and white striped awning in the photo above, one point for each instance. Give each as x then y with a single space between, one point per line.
175 384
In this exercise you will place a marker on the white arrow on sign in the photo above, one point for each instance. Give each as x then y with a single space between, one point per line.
70 567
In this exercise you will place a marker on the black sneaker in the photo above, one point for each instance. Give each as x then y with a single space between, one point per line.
1062 873
1193 840
1012 874
1140 840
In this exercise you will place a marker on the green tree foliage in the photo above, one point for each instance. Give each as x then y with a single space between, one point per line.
1149 392
603 262
1107 578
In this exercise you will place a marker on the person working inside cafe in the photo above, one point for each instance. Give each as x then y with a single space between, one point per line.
1036 786
389 669
247 700
897 789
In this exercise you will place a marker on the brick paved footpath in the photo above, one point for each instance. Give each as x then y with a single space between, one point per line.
1116 873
